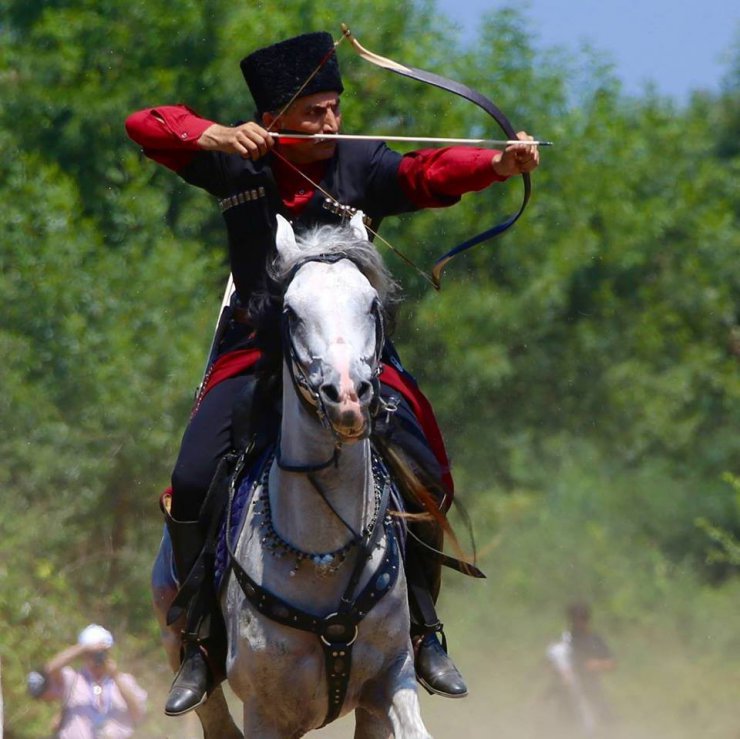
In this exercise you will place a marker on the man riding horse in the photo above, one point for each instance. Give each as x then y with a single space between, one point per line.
309 182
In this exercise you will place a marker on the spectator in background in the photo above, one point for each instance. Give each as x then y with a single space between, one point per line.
578 660
97 701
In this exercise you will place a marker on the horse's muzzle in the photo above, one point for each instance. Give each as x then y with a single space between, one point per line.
348 410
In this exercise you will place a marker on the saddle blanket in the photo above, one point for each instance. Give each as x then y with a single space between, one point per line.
233 518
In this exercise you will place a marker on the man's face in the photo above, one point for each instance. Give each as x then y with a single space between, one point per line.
315 114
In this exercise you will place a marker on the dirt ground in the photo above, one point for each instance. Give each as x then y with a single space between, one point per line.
484 714
511 697
445 719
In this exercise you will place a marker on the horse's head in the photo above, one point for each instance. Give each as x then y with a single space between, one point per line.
332 322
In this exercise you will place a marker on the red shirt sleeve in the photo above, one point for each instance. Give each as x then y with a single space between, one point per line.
435 178
168 134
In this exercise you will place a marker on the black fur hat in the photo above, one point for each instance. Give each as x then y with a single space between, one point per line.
274 74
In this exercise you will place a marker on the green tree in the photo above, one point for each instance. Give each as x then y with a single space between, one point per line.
584 365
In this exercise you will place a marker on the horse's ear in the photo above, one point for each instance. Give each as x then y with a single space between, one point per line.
357 224
285 242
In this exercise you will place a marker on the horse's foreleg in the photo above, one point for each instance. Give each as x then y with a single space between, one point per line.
402 721
405 715
371 726
391 707
268 721
216 719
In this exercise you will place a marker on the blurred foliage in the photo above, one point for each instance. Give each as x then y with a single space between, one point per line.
584 366
726 544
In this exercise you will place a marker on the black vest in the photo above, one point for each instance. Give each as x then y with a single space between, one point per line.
362 175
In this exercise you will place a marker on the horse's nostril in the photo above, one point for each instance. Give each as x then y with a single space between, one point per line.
330 392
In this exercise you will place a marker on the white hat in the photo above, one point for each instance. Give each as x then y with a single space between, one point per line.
93 634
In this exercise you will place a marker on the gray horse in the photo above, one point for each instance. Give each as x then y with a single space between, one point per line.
315 605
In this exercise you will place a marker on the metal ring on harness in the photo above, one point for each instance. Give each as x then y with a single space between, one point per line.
339 621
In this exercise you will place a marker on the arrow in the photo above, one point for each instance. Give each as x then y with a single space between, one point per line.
287 137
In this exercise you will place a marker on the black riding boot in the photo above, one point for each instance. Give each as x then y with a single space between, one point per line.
194 679
193 546
435 670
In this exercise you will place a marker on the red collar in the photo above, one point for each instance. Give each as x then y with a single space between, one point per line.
295 190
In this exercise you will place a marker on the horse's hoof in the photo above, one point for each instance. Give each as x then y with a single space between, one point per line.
436 671
190 686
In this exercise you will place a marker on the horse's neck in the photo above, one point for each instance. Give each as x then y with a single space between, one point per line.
300 515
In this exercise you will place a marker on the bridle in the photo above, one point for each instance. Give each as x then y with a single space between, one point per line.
308 394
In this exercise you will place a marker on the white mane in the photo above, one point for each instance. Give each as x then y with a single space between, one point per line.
348 240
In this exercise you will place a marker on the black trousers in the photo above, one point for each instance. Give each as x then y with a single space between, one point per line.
207 438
